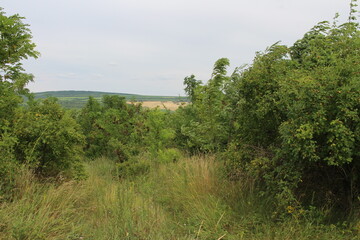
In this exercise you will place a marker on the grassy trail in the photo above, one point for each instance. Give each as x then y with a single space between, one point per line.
184 200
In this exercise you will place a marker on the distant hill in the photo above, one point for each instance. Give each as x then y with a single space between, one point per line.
77 99
71 93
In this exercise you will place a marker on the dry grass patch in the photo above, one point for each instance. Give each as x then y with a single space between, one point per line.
163 105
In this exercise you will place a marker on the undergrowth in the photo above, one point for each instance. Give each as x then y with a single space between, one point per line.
187 199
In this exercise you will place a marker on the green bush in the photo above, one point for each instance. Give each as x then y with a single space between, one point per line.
160 133
133 167
48 139
299 108
169 155
290 119
113 128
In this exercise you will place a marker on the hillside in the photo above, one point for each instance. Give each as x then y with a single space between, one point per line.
77 99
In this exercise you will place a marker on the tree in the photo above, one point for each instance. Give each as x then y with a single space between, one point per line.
190 87
41 135
15 45
206 128
49 141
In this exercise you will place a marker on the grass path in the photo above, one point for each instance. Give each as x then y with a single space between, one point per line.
184 200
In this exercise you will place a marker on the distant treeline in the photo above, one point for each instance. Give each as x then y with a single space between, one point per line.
78 99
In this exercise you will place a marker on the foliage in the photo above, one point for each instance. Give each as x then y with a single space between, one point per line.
132 168
160 132
40 136
299 106
49 140
112 129
191 85
122 131
204 127
15 46
291 118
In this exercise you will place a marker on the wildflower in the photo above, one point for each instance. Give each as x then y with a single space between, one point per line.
290 209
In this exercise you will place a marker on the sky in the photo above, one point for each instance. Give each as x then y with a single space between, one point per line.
149 46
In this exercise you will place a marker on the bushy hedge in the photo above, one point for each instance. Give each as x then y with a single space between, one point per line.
290 119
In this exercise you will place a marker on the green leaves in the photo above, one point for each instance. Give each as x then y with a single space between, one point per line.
113 129
205 128
298 107
49 140
191 84
15 46
341 143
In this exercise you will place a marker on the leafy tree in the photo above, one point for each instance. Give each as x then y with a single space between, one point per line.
191 84
41 135
15 46
321 103
206 128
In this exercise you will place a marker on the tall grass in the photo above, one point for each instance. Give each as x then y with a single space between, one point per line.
42 211
189 199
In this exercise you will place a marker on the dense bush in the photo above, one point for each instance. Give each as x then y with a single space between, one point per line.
300 106
113 128
48 139
160 132
290 119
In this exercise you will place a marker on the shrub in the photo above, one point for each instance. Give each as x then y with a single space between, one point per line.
133 167
169 155
299 108
114 129
48 139
291 118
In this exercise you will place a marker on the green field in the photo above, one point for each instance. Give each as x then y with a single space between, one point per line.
77 99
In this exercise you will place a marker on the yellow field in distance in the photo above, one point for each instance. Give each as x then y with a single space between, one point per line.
162 105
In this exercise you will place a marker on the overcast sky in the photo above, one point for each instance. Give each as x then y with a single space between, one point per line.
149 46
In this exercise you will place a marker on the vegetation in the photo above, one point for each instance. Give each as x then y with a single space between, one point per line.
113 129
270 151
183 200
291 119
41 136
